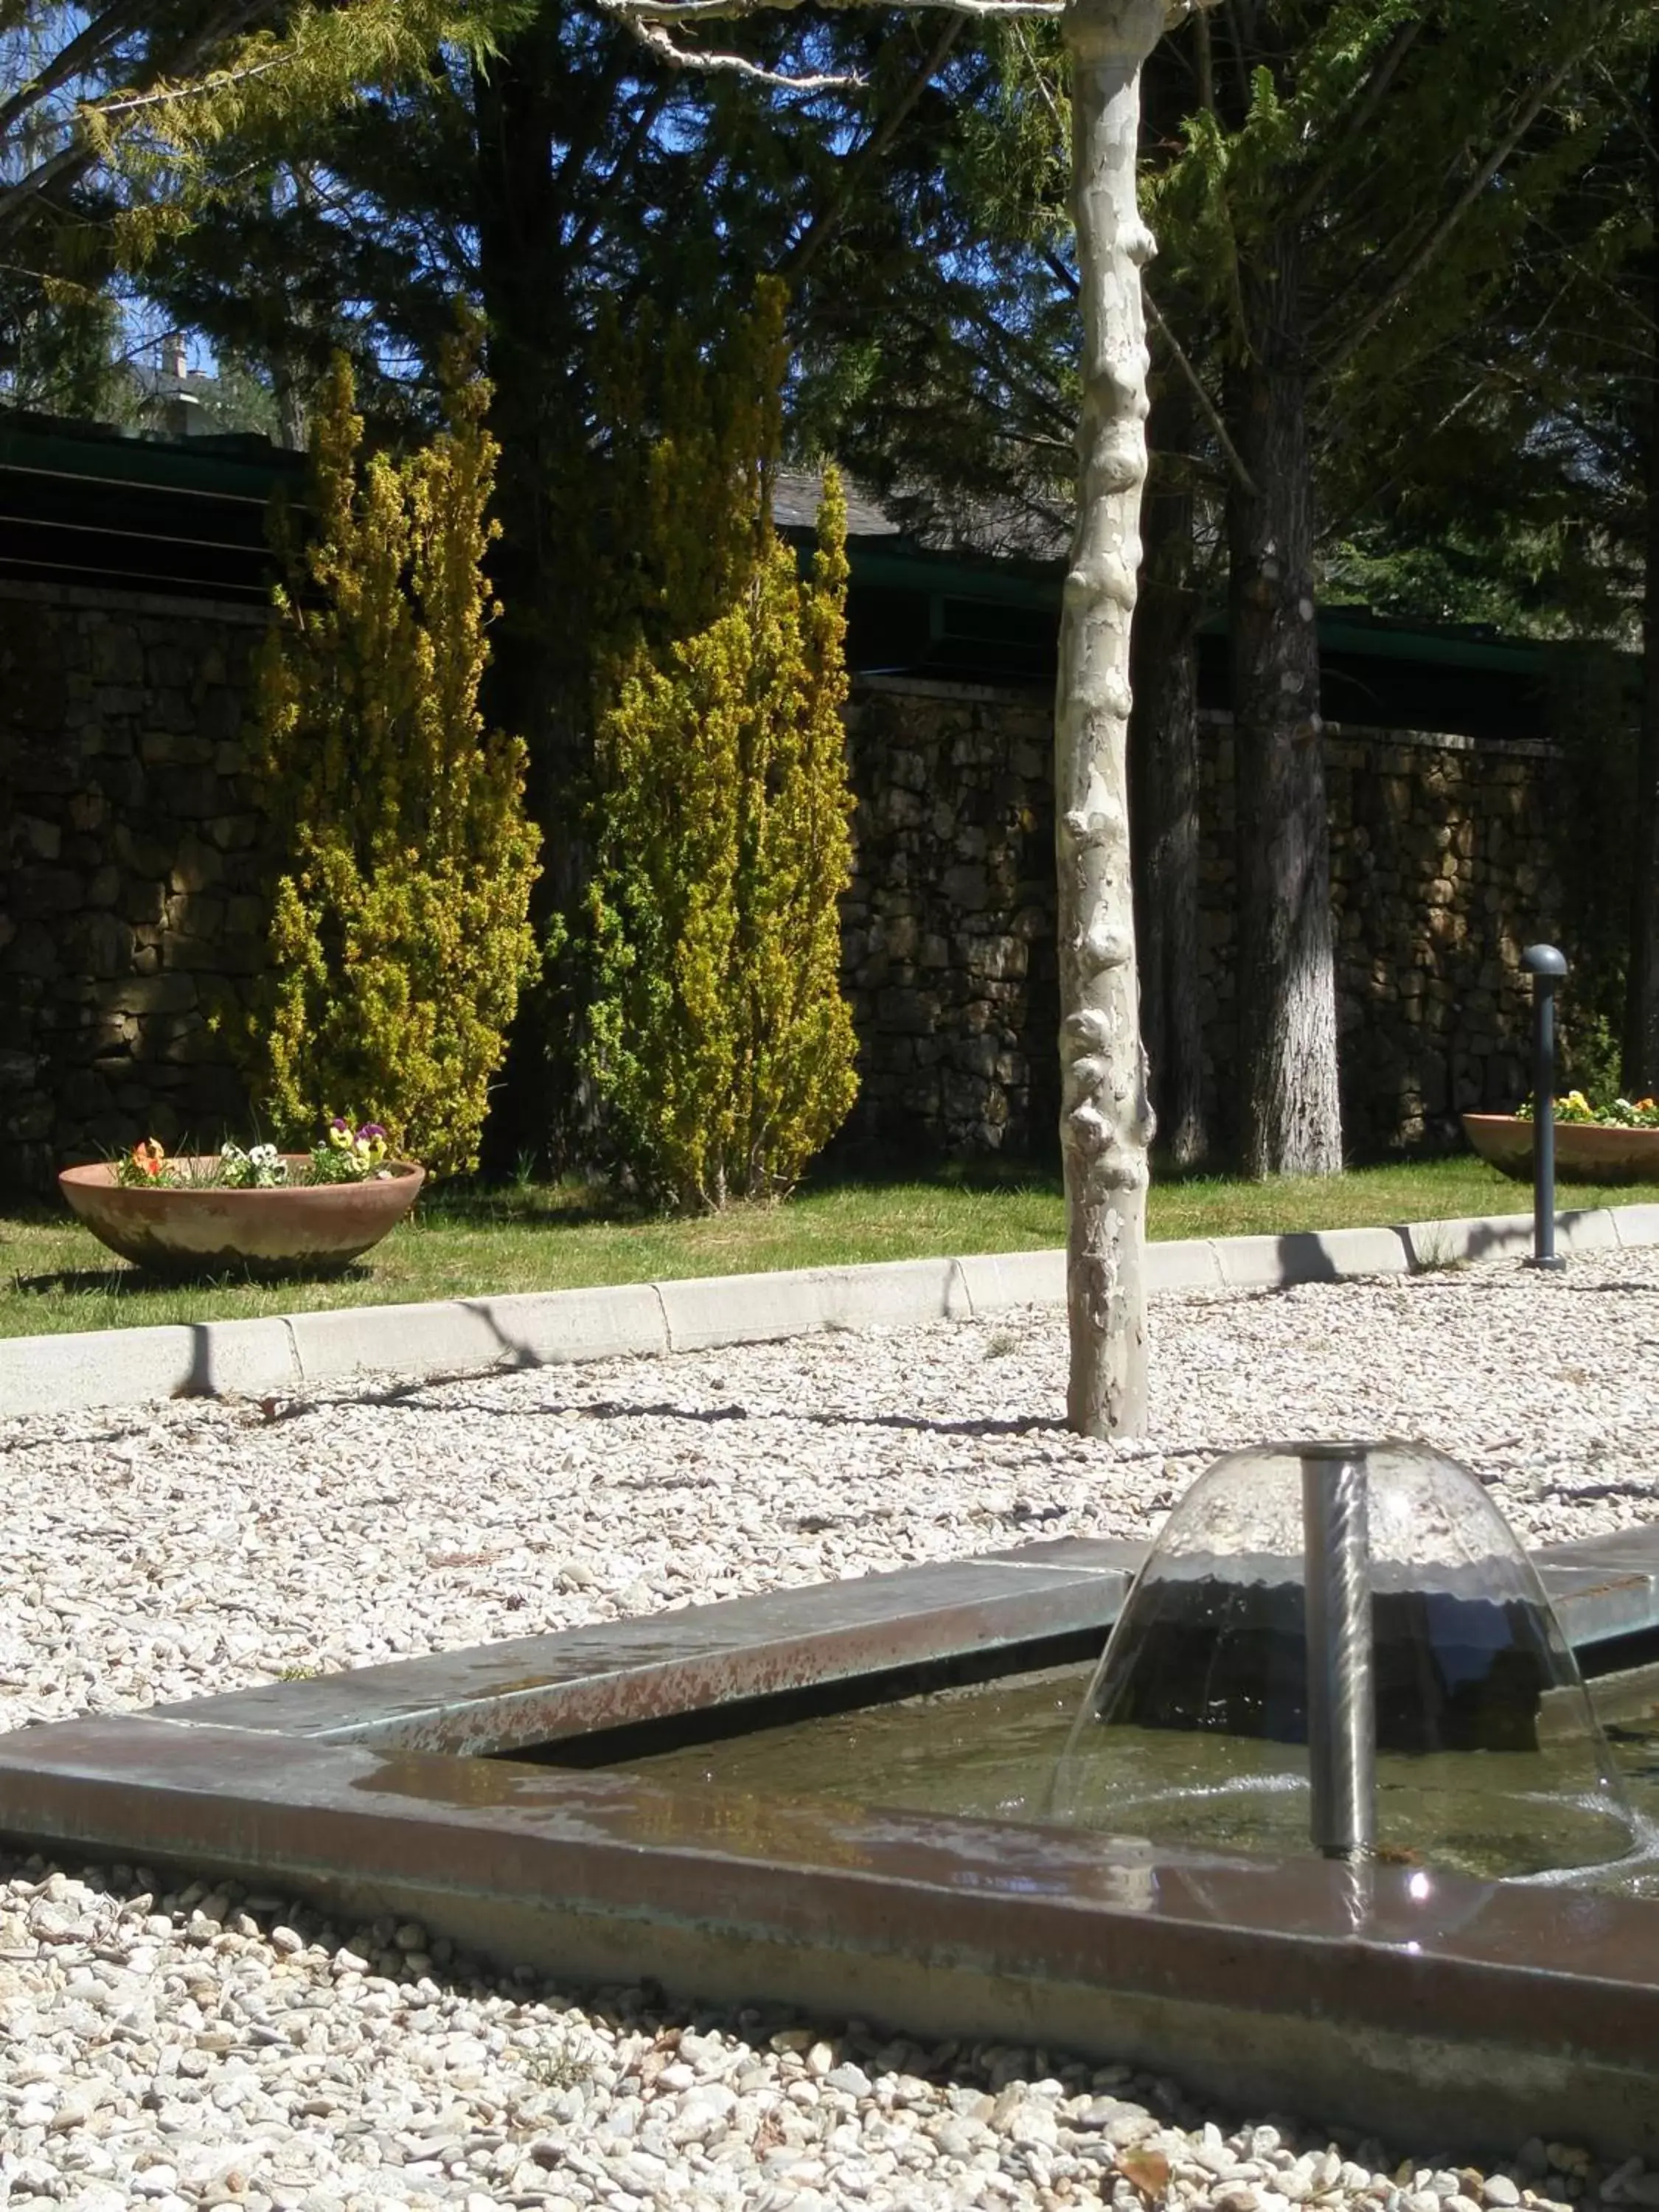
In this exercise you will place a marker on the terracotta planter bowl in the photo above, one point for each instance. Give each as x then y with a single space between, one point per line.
1583 1154
291 1228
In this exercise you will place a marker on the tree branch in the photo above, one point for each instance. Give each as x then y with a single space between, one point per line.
652 34
80 53
174 95
643 125
80 154
1441 236
648 20
1241 64
1206 63
806 248
1040 78
1351 126
1207 407
691 11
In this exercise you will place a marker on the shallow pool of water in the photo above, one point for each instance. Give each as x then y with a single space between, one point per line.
996 1750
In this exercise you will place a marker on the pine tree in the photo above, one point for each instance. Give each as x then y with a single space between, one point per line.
1354 181
719 1045
398 938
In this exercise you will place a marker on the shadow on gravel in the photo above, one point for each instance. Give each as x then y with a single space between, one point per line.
410 1397
616 1410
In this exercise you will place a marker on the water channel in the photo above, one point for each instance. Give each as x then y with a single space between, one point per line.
994 1750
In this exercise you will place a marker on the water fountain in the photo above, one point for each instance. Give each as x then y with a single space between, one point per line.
1343 1647
1303 1783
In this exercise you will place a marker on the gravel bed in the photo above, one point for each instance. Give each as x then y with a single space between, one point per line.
197 2048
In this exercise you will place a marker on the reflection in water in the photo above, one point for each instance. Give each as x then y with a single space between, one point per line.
1488 1813
986 1752
991 1752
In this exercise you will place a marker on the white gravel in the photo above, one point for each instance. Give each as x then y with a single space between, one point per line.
201 2049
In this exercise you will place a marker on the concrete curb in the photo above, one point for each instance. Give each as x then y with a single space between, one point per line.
279 1356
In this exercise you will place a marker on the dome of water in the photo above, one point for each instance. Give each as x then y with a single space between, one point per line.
1480 1750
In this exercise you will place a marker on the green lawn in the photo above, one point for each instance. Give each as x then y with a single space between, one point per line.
466 1241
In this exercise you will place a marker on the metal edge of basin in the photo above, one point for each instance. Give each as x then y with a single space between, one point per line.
1392 1999
494 1697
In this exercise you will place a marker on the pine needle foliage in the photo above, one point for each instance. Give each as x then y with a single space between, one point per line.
146 94
720 1047
398 937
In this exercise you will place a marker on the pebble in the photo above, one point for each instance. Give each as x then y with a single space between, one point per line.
180 2049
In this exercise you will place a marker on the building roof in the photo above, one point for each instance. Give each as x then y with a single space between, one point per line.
84 504
80 503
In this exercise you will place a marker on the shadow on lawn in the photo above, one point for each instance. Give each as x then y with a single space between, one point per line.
465 1202
127 1282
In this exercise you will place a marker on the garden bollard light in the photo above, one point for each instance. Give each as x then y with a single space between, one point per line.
1546 967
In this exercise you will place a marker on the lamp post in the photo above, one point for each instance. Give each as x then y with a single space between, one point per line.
1546 966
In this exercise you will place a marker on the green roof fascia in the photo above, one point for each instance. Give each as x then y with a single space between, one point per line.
1445 648
1435 648
877 564
882 563
136 462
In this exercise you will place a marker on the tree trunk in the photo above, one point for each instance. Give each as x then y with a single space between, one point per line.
1286 979
1163 791
520 276
1105 1121
1640 1058
1639 1062
535 686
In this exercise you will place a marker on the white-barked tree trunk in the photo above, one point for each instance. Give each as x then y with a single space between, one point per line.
1105 1123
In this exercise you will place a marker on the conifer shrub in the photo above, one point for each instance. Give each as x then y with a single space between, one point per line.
719 1046
398 939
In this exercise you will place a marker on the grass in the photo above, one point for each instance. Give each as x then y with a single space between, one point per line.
470 1241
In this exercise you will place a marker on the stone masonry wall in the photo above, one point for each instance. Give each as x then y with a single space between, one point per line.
1445 864
129 918
948 936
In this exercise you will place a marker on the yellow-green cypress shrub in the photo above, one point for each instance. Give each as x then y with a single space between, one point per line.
720 1047
398 938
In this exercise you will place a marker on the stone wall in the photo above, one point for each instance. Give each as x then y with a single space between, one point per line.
949 931
129 918
1444 863
130 921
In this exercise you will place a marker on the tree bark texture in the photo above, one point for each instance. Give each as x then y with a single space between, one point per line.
1105 1119
1292 1113
525 106
1639 1068
521 280
1163 819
